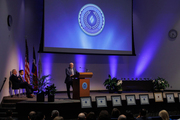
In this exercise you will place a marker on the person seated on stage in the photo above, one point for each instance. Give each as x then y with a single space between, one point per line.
81 116
20 77
58 118
54 114
115 113
142 115
70 71
164 115
32 115
122 117
18 83
104 115
91 116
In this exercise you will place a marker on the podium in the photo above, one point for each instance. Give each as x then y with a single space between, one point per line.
81 85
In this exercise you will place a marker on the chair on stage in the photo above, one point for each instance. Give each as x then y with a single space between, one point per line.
15 91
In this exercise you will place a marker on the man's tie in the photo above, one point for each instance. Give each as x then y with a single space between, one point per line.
23 79
72 71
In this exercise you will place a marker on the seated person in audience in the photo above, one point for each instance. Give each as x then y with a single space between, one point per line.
142 115
32 115
91 116
104 115
40 116
164 115
129 115
115 113
122 117
54 114
9 115
85 113
17 83
81 116
58 118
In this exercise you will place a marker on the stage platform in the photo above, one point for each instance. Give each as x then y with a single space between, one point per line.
70 108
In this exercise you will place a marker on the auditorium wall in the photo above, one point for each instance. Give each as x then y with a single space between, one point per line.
12 44
12 39
157 54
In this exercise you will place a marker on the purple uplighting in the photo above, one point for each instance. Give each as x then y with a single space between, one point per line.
80 63
21 60
113 60
152 44
47 67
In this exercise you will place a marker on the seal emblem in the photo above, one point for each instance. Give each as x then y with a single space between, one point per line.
91 19
84 85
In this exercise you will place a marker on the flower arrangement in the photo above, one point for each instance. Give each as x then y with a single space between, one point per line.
112 84
119 85
160 83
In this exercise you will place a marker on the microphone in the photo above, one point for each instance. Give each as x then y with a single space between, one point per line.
84 69
87 70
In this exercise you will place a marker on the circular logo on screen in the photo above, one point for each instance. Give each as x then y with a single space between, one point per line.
91 19
84 85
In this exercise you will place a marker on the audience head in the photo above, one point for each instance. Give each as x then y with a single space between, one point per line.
9 113
71 65
9 118
85 113
21 72
58 118
32 115
164 115
104 115
129 115
115 113
14 72
143 113
40 116
81 116
54 113
122 117
91 116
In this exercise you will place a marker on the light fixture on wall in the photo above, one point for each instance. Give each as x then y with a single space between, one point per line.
9 20
173 34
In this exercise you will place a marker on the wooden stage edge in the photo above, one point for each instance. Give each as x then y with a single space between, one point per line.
61 97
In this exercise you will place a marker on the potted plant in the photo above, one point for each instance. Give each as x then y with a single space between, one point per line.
41 84
119 86
110 84
160 84
50 91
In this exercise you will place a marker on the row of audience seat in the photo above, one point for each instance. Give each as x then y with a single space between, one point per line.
103 115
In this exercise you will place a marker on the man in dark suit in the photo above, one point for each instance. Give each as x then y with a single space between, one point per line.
20 77
70 71
18 82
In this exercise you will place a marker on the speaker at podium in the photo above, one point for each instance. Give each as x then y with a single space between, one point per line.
81 85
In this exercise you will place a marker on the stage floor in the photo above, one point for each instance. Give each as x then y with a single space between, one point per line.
62 97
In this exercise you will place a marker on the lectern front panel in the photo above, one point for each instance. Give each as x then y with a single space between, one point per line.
84 87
